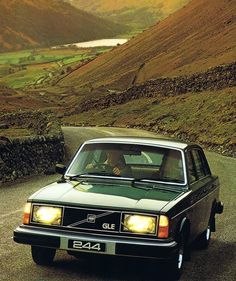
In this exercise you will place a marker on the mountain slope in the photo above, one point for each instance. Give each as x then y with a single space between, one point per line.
199 36
137 14
107 6
32 23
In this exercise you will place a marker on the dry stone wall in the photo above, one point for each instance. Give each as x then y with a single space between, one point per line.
214 79
30 155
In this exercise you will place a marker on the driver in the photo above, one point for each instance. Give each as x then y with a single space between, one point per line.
116 163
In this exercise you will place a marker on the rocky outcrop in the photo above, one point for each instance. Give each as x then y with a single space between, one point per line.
30 155
214 79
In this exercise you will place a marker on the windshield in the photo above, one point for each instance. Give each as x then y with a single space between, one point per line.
129 161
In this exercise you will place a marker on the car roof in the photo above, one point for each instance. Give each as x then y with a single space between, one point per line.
170 143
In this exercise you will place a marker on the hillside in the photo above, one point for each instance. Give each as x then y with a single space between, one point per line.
33 23
199 36
207 118
137 14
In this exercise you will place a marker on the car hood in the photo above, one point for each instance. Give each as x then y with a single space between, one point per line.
106 195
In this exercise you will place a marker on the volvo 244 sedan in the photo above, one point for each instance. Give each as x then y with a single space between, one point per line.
136 197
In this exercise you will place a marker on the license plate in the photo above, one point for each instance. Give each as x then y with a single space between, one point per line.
87 245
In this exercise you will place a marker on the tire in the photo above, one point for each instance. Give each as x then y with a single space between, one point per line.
204 238
42 256
178 261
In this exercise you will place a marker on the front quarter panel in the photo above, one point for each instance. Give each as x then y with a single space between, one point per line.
195 207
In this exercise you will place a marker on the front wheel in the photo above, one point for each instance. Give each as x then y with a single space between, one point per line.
178 260
42 256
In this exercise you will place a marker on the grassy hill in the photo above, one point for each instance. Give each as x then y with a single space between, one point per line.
192 40
182 47
137 14
33 23
199 36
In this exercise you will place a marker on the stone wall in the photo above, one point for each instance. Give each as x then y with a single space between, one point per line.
32 154
227 149
214 79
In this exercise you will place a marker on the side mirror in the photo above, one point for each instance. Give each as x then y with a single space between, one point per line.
60 169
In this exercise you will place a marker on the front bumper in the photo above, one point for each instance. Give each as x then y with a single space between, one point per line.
120 246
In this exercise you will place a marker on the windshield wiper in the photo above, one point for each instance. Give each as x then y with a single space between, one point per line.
83 175
168 179
152 184
75 177
141 183
101 174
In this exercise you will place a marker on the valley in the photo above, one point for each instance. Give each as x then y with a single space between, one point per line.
138 15
174 75
175 78
23 69
41 23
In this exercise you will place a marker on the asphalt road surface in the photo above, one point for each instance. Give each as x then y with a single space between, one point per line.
216 263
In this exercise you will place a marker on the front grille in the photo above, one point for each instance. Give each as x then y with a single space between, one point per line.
92 219
97 221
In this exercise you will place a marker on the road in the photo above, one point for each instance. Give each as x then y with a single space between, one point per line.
216 263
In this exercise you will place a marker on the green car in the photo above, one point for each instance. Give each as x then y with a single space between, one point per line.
136 197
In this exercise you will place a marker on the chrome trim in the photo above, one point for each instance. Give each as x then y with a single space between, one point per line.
47 205
143 214
86 220
151 238
75 156
124 178
108 211
109 241
200 179
99 177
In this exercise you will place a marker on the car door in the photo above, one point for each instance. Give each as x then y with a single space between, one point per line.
200 179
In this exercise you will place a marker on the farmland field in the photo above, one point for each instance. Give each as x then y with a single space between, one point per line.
33 67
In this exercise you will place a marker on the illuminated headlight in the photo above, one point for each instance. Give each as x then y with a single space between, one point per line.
47 215
139 224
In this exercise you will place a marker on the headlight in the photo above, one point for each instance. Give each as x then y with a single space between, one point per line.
139 224
47 215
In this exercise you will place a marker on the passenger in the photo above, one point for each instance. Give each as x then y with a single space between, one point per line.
172 168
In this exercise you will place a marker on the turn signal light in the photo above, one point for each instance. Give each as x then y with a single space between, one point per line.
26 215
163 229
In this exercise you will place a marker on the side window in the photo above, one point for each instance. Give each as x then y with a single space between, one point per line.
200 166
204 162
191 169
172 167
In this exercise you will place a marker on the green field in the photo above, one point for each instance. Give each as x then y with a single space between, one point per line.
33 67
